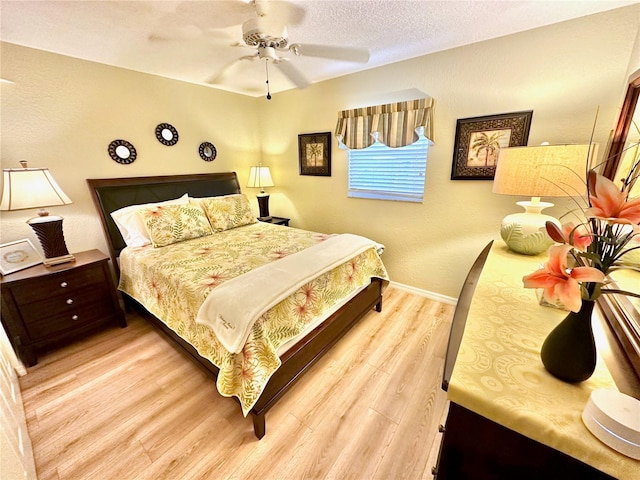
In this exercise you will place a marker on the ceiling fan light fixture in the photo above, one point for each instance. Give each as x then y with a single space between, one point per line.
267 53
262 31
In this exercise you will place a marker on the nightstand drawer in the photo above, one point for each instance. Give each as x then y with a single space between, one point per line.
66 304
57 284
70 319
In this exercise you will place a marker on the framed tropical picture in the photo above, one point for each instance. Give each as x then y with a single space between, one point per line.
17 255
314 153
479 140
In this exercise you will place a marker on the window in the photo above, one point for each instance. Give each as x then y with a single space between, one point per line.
387 173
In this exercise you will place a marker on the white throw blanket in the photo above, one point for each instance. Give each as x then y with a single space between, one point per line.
232 308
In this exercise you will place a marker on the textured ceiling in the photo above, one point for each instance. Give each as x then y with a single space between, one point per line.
195 41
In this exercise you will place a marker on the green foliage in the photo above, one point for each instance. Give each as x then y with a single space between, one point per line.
177 229
531 244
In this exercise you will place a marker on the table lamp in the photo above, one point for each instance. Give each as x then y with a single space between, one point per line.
260 177
540 171
35 188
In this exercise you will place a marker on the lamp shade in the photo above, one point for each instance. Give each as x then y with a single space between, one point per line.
30 188
260 177
35 188
544 171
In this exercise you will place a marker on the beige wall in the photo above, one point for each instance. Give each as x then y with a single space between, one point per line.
62 113
562 72
634 61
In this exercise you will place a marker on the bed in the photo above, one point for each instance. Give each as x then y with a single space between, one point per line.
296 352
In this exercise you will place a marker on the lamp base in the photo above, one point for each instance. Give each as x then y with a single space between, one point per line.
49 262
525 232
263 203
48 229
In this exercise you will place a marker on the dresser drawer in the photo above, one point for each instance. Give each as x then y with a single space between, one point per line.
61 323
57 284
66 304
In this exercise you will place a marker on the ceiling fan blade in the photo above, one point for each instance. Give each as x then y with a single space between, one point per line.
286 12
220 77
208 14
191 33
176 33
349 54
292 73
226 13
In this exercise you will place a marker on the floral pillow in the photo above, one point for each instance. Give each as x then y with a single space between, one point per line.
167 224
131 226
227 212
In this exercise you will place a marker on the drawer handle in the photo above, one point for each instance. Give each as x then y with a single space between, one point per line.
69 301
74 317
64 284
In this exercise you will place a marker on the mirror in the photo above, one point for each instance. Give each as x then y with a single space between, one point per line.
122 152
166 134
207 151
623 312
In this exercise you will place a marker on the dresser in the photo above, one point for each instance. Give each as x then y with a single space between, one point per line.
44 307
508 417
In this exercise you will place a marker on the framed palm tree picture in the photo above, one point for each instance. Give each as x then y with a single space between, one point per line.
314 152
479 140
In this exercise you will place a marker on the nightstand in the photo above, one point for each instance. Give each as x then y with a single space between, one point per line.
277 221
45 306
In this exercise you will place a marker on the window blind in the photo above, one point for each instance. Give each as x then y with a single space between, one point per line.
387 173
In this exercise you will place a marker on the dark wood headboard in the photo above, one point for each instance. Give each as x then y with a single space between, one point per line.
111 194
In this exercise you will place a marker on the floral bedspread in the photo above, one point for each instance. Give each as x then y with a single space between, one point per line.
173 281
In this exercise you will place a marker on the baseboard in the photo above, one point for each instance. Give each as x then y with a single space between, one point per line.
425 293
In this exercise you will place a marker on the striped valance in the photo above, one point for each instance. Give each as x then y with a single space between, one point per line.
394 123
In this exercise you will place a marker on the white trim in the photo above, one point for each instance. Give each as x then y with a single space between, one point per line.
425 293
6 351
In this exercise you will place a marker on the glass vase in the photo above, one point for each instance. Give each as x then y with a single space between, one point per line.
569 352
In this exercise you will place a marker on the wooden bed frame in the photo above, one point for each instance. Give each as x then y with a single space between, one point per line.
110 194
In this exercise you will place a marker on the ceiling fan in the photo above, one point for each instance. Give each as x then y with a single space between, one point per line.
270 39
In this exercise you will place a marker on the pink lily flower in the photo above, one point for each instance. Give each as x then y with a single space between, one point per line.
580 239
581 236
610 203
560 283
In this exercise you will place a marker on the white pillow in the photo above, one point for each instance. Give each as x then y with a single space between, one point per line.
131 225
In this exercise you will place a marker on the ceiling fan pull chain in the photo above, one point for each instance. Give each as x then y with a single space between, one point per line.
266 66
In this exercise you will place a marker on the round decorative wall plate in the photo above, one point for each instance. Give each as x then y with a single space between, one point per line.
122 152
167 134
207 151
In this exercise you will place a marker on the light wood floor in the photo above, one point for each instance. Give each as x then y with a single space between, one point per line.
125 405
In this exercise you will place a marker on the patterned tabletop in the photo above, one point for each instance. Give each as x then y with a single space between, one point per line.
498 373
